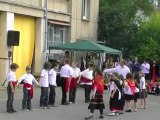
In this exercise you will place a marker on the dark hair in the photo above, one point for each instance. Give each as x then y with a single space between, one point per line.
116 74
14 66
28 67
98 71
66 52
47 65
91 65
129 75
54 64
121 77
52 60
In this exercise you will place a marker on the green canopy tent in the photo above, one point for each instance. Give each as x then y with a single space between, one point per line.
86 45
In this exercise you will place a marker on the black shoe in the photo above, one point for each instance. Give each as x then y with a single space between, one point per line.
65 103
121 112
10 111
13 110
101 117
129 110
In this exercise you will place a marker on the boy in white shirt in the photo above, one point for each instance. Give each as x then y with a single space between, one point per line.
11 78
73 83
143 94
86 80
66 75
52 83
44 83
27 79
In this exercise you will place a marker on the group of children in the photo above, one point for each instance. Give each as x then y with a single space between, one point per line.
127 90
27 80
69 77
92 79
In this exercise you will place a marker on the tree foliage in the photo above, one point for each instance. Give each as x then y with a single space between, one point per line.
147 40
118 22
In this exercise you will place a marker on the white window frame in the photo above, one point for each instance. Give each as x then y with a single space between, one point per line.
86 9
57 54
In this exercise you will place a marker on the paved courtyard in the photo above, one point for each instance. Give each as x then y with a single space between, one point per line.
73 111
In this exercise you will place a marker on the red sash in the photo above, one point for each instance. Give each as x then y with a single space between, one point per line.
132 86
100 88
99 84
73 83
14 83
85 80
67 84
26 85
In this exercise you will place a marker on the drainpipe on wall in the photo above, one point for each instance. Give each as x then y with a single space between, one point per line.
46 28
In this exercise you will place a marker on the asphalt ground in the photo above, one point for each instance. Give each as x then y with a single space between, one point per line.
73 111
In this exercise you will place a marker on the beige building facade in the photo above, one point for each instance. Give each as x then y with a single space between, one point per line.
68 20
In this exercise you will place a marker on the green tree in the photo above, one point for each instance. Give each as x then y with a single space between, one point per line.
119 21
147 40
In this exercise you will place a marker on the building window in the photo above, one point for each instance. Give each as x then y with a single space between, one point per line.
85 9
57 35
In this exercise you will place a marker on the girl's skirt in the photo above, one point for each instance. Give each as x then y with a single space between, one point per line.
97 102
117 104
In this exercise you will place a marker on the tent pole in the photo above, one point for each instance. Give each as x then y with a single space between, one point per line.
72 56
100 55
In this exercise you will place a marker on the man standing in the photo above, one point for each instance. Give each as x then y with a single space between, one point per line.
122 69
66 57
136 67
146 69
86 80
66 75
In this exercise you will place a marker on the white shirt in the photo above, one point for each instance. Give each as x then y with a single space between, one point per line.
112 84
28 78
128 91
145 67
142 83
136 90
11 77
87 74
120 70
76 72
44 78
66 71
116 64
52 77
111 87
